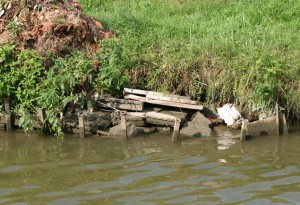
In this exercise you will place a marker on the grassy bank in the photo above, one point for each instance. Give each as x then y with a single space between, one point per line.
246 51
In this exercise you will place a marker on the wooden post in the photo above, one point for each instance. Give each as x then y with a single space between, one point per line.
90 106
284 125
277 119
7 114
81 125
176 129
41 116
123 125
244 130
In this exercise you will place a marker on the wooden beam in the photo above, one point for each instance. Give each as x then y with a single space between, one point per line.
120 104
170 98
135 91
164 103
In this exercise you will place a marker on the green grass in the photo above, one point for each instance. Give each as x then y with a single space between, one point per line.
213 50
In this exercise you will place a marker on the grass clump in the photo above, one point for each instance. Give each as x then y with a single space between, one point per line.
242 51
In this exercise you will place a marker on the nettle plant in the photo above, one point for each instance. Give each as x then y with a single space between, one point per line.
30 84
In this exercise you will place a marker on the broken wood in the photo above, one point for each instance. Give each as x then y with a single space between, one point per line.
8 121
41 115
176 129
123 125
120 104
170 98
161 119
135 91
164 103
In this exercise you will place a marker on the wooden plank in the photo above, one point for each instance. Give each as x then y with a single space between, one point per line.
170 98
164 103
135 91
160 116
121 104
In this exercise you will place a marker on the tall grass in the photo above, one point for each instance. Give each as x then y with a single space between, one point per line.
213 50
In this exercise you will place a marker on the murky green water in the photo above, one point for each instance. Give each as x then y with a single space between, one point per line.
148 170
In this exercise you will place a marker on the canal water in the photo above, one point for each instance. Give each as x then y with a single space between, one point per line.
149 170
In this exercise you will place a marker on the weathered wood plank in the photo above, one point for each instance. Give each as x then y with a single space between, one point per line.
277 119
164 103
176 129
244 130
81 125
284 125
120 104
170 98
123 125
135 91
8 120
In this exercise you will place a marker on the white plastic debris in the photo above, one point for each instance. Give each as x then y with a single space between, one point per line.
229 114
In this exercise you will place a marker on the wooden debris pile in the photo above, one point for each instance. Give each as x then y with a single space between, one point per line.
148 108
143 112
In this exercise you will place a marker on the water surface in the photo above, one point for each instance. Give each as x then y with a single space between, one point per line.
149 170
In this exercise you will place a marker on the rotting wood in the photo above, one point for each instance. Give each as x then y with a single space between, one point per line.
170 98
81 125
277 119
41 115
102 133
123 125
158 118
8 121
120 104
135 91
176 129
284 125
244 130
164 103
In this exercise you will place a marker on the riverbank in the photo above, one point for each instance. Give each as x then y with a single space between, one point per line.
213 52
246 52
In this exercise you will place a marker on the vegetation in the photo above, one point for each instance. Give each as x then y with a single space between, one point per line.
31 85
215 51
242 51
